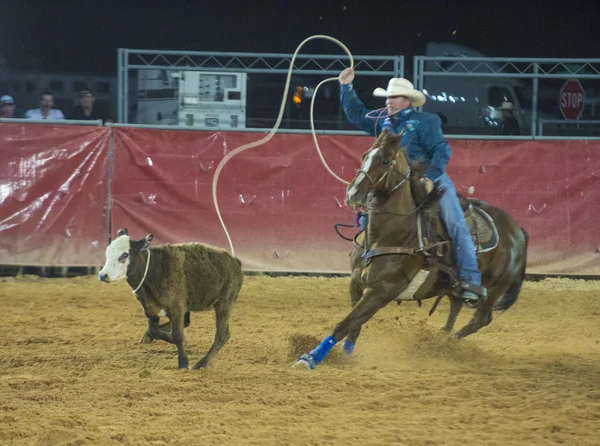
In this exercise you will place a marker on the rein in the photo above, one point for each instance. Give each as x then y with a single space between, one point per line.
145 272
375 183
399 214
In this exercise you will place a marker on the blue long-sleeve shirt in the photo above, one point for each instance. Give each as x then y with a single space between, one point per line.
422 139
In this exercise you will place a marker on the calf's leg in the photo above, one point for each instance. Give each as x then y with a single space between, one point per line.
222 314
166 328
175 337
177 325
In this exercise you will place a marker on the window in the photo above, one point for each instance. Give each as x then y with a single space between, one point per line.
103 87
30 86
498 95
57 85
79 85
523 97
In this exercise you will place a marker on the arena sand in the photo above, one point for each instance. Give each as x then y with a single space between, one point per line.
72 370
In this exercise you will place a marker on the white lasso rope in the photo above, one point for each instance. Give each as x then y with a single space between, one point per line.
264 140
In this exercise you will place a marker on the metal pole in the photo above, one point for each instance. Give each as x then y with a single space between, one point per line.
120 85
399 62
421 76
415 78
125 86
111 151
534 100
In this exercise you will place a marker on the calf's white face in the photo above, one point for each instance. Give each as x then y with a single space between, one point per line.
117 259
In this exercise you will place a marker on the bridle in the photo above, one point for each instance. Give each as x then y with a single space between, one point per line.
405 176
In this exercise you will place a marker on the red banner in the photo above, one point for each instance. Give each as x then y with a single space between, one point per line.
53 194
278 201
549 187
280 204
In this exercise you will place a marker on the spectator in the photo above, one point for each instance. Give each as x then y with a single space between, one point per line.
46 110
7 108
510 125
86 111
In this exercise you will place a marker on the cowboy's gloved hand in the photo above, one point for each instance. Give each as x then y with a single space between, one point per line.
347 76
428 184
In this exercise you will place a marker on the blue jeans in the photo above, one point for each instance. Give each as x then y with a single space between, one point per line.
463 247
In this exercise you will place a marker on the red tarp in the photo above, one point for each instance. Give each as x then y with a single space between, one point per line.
53 194
277 200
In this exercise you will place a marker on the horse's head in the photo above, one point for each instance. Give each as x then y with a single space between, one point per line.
384 168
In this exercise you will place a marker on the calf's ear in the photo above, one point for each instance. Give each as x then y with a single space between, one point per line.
146 242
121 232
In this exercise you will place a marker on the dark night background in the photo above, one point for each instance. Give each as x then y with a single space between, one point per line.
83 36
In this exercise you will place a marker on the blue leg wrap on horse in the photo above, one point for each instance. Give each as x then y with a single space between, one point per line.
321 351
349 347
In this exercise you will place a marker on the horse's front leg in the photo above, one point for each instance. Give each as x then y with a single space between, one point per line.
373 299
356 293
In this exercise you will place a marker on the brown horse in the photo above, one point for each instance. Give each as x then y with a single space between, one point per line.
404 253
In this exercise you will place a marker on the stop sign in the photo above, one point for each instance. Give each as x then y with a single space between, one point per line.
572 97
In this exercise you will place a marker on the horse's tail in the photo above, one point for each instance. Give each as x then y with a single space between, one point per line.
512 294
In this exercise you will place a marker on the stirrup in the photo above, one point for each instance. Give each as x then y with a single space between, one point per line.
479 290
471 295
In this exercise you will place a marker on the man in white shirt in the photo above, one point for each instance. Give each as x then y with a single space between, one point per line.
45 111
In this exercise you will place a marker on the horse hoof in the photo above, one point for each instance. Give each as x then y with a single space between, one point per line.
348 347
305 362
146 339
201 365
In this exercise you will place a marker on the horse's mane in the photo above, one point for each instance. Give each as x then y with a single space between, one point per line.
420 196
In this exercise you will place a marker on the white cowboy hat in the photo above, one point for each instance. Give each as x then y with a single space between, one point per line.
398 86
507 106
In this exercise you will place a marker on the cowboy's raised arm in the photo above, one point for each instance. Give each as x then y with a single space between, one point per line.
353 107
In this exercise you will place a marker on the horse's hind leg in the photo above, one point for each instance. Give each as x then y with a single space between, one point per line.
455 307
483 314
481 318
356 293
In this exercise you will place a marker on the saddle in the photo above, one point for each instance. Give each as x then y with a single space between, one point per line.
481 225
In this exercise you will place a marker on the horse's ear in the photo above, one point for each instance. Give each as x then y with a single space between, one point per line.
121 232
398 137
383 134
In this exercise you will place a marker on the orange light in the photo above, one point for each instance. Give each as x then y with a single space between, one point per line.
298 95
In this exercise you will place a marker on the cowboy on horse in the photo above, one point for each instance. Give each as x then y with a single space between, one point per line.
424 145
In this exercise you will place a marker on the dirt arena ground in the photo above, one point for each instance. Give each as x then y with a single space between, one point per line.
72 371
